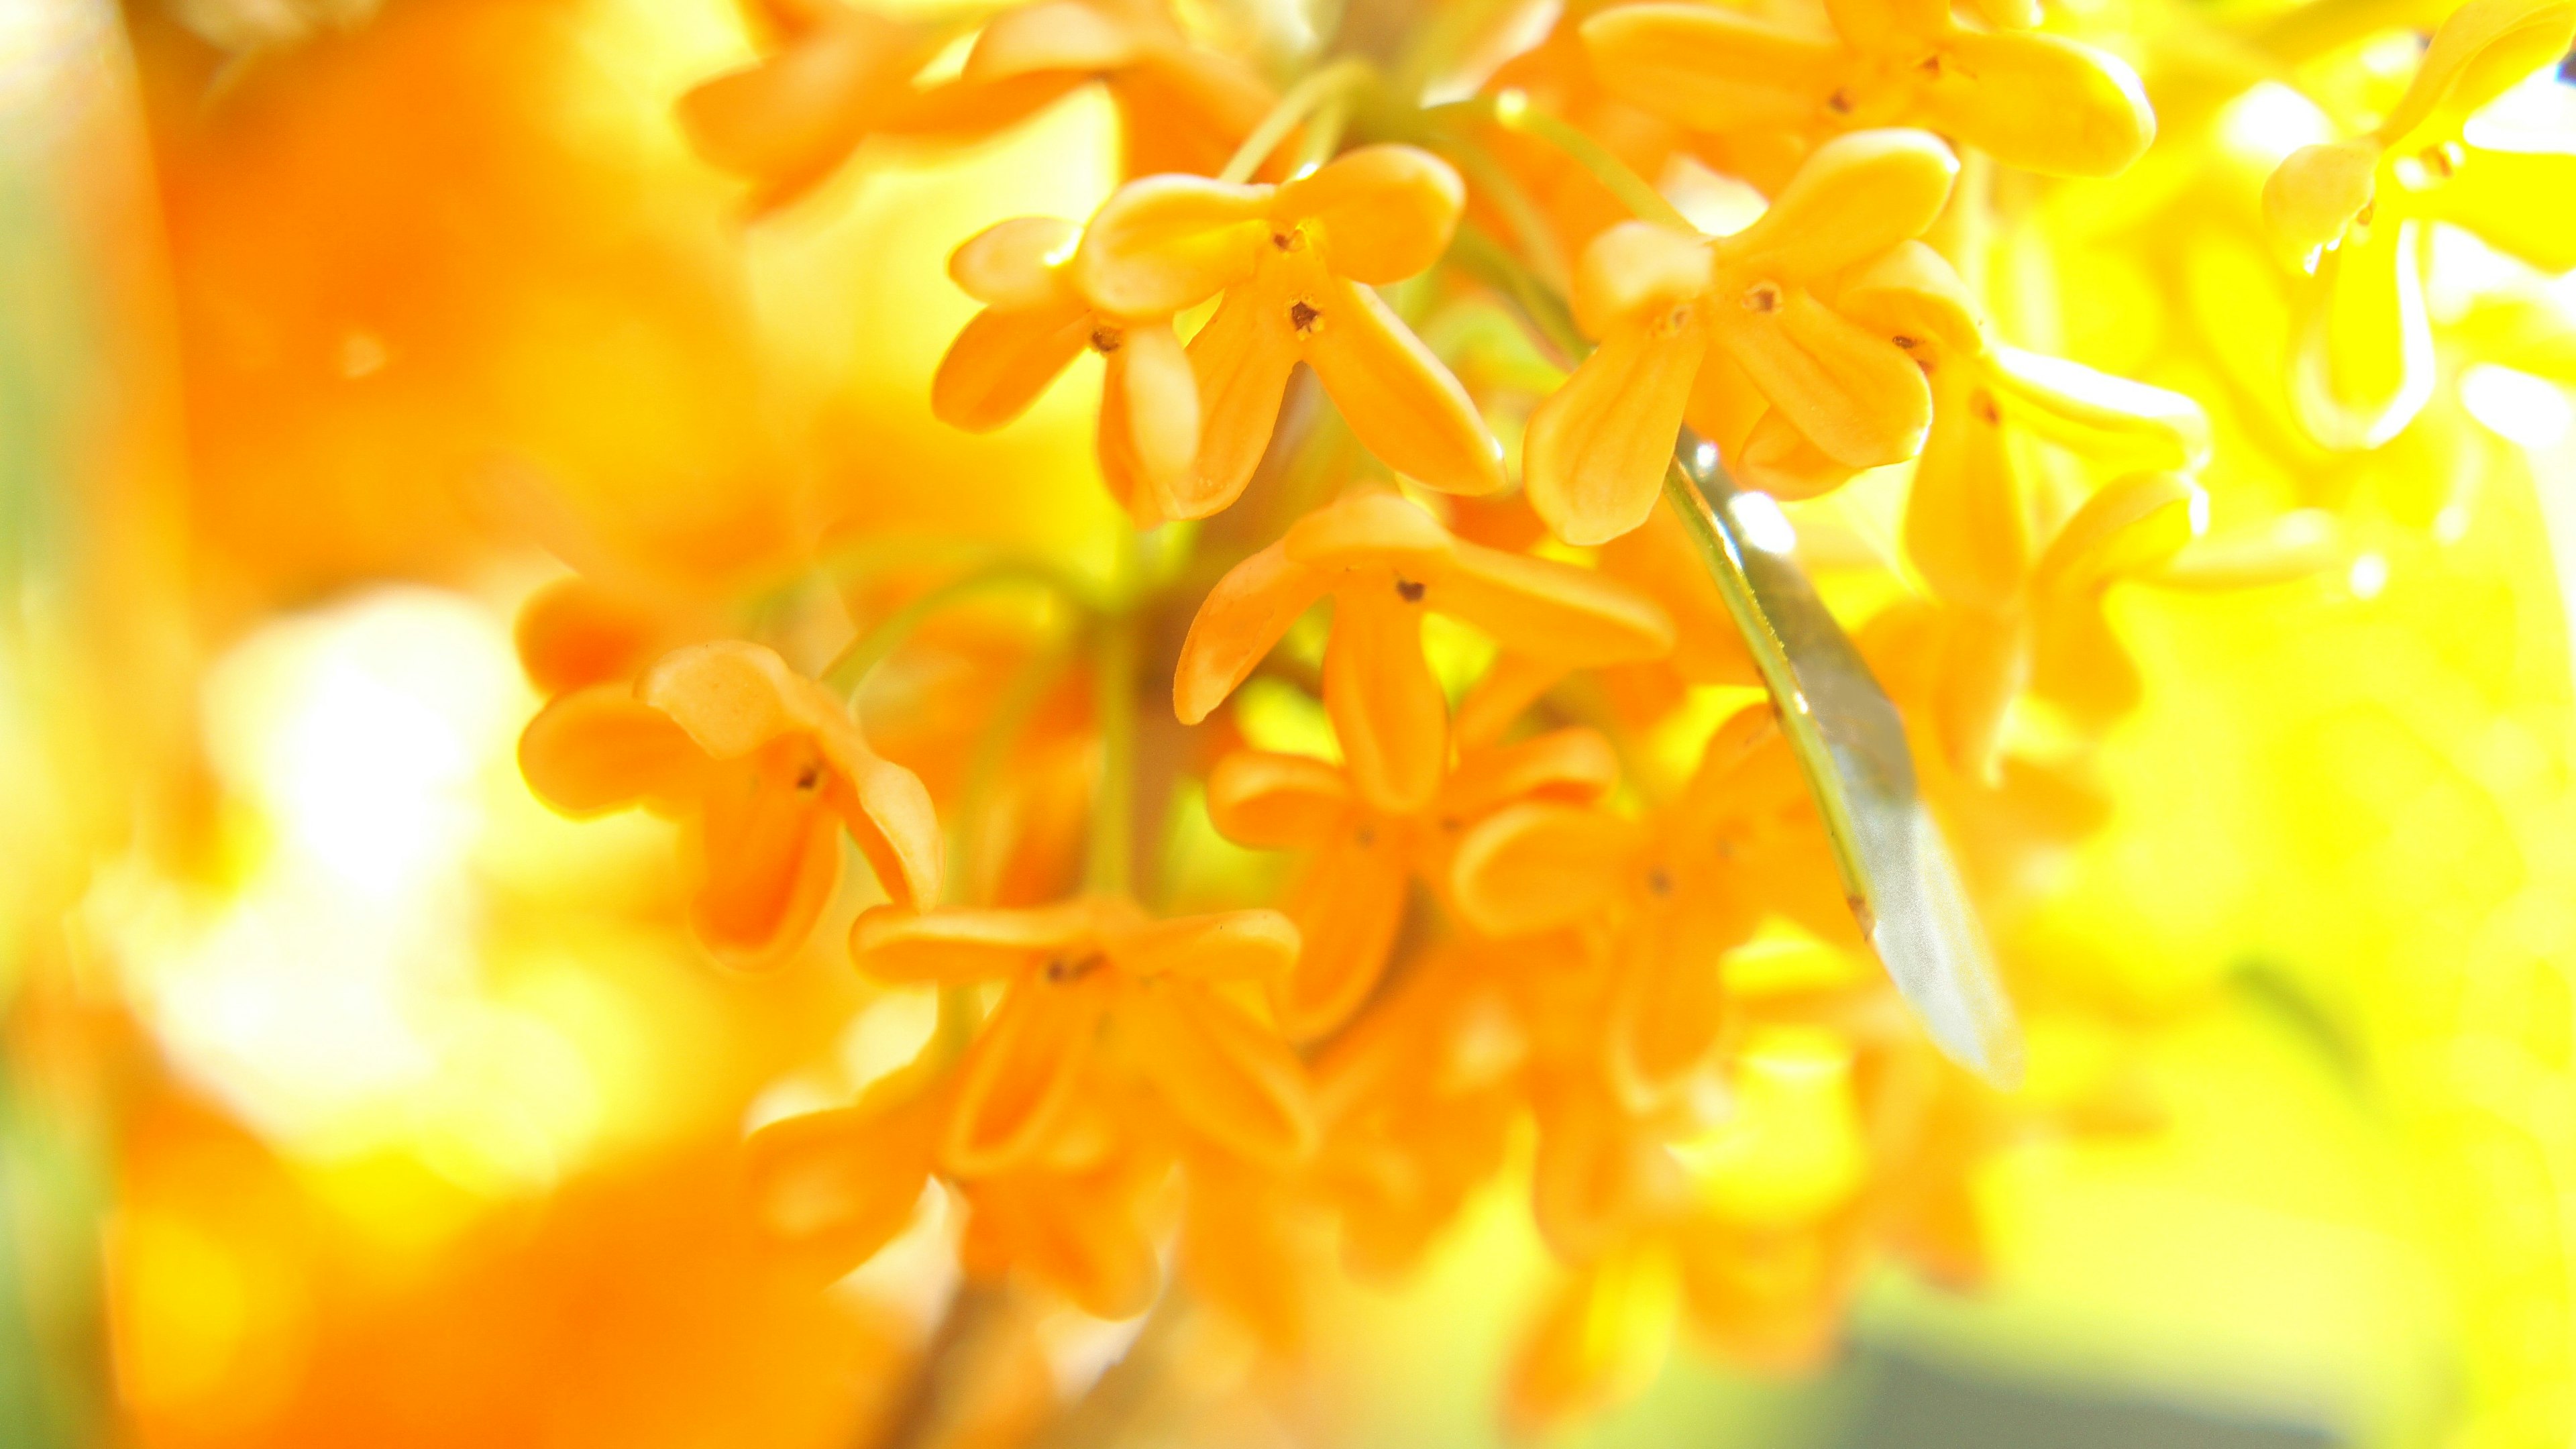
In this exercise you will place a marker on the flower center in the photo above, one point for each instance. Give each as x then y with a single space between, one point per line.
1106 339
1305 319
1410 590
1064 971
1762 297
1659 881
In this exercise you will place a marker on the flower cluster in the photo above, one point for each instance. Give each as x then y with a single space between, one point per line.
1554 871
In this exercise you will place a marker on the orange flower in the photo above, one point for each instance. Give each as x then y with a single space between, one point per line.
1351 900
1033 324
1734 332
1674 895
1095 973
1385 560
764 767
1076 1218
575 632
841 74
1296 265
2039 102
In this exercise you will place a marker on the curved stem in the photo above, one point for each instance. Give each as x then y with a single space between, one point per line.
850 670
1112 867
1513 112
1331 83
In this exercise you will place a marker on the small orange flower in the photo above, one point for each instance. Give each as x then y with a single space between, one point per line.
576 632
1097 972
841 73
2040 102
1296 266
1351 901
1385 560
763 766
1033 325
1739 333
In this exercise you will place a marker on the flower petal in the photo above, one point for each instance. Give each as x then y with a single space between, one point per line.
1348 909
2128 527
1854 394
1401 401
1386 707
1374 529
1002 360
2361 362
1538 866
1240 360
1275 801
1967 526
1668 999
1164 244
2295 545
573 633
1021 1073
1226 946
2110 420
958 948
2041 102
1600 1340
1985 665
1913 296
601 749
1062 35
1596 450
1879 25
2478 54
797 114
831 1188
1014 264
1781 461
1711 68
2315 192
771 855
1574 764
1151 402
1221 1071
1857 195
732 696
1242 617
1548 609
890 818
1385 212
1638 272
2522 203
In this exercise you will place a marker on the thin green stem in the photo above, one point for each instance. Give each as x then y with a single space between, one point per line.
1112 866
1333 82
850 670
1513 112
1002 730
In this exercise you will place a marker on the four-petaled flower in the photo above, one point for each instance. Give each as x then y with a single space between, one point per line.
1094 980
764 768
1385 561
2040 102
1296 266
1351 901
1033 325
1738 332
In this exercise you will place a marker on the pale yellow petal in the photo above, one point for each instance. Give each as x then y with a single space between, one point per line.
1386 707
1711 68
1015 264
2041 102
1164 244
1242 617
1382 212
1856 196
1853 393
1403 403
1596 450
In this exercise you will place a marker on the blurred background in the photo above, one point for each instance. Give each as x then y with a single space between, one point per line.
348 1097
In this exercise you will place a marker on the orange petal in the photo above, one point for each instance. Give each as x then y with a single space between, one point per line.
890 818
573 633
1601 1340
1002 360
2110 420
601 749
1668 1000
1021 1073
1985 664
1405 406
1779 460
1887 24
1229 945
1185 108
1638 272
1274 801
772 855
1548 609
957 948
1574 764
1509 687
1374 529
1151 403
1013 264
1386 708
2130 526
1967 528
1911 295
1596 450
1164 244
1348 908
1711 68
1592 1175
1856 196
1242 617
971 109
732 696
1385 212
1241 360
831 1188
1540 865
2041 103
1220 1071
798 113
1058 36
1855 395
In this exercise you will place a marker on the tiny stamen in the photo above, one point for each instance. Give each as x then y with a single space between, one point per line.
1762 297
1062 971
1410 590
1304 318
1106 339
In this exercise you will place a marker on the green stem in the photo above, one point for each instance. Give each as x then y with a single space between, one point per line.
1331 83
1112 869
850 670
993 744
1513 112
